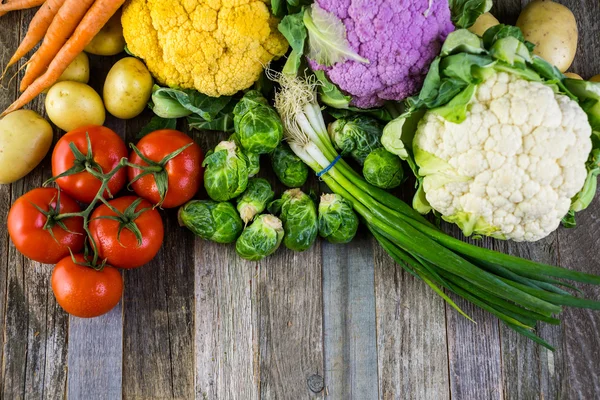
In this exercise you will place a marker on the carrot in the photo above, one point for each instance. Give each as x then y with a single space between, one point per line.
63 25
90 25
19 5
36 31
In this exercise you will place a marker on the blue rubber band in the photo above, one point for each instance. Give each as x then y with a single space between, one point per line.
326 170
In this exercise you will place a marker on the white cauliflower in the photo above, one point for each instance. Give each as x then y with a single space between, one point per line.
512 167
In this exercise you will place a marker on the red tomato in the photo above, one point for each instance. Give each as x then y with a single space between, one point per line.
32 231
107 148
184 172
84 292
124 250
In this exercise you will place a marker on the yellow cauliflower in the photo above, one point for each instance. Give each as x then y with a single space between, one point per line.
217 47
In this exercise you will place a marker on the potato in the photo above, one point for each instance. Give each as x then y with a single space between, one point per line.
71 105
553 30
78 70
595 78
483 23
573 75
25 138
109 41
127 88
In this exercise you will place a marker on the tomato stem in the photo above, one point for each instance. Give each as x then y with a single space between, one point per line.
126 219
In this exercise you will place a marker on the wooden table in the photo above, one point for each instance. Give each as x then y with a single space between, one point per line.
337 321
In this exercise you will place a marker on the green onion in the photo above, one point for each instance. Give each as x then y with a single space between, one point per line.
519 292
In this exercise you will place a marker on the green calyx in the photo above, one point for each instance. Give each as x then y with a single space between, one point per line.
81 163
126 219
53 216
157 169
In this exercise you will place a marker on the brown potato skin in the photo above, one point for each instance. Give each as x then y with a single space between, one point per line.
595 78
553 30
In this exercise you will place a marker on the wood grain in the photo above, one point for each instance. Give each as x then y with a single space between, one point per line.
520 356
200 322
158 350
411 335
8 42
349 319
474 352
258 325
226 330
579 247
290 325
35 334
95 350
95 356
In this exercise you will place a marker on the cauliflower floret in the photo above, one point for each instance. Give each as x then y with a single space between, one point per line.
400 38
217 47
511 168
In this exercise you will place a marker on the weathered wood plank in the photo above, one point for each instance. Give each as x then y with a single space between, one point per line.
546 372
578 248
8 42
349 320
474 352
96 344
411 335
95 356
267 342
291 325
520 356
158 352
226 332
35 347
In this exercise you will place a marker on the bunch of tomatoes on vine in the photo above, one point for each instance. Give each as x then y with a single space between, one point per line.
79 222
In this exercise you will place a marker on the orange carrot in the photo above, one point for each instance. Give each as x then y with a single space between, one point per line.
15 5
90 25
63 25
37 29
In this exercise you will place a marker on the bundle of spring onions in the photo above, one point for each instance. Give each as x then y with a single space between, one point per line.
518 291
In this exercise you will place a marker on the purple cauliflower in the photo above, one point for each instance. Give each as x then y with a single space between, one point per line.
400 38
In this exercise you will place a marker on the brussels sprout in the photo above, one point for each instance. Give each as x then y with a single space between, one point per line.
226 171
210 220
261 239
299 215
383 169
288 167
253 164
338 222
356 136
257 124
255 199
253 158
